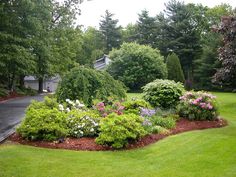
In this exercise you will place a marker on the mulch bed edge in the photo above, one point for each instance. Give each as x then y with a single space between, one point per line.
88 144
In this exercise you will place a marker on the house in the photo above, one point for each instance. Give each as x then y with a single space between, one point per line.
51 83
102 63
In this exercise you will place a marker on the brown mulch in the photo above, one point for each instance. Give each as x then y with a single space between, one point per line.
10 96
89 144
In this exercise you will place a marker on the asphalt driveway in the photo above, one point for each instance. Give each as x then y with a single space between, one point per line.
12 112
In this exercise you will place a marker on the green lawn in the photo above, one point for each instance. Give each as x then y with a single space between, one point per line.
205 153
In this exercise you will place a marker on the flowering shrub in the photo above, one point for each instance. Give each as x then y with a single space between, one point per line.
198 106
82 123
71 105
163 93
106 109
118 130
147 112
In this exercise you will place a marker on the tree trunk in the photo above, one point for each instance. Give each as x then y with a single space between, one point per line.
21 81
40 90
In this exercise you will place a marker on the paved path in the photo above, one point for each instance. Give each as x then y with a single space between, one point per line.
11 113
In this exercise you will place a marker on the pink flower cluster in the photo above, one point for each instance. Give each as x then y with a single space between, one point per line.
105 110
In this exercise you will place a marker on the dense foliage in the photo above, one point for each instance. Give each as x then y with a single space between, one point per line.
174 68
136 65
163 93
117 131
87 84
43 124
226 75
198 106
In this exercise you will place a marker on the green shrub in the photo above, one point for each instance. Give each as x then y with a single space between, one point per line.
198 106
118 130
87 84
136 65
26 91
43 124
165 122
83 123
47 103
163 93
3 92
133 106
174 68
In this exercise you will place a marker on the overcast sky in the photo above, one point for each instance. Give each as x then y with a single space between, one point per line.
126 10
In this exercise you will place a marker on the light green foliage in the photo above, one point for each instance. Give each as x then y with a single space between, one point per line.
136 65
134 105
165 122
83 123
198 106
87 84
117 131
163 93
43 124
47 103
174 68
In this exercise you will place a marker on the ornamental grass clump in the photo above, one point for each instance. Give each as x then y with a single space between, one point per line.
198 106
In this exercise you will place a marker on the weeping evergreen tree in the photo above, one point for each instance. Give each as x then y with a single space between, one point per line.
174 68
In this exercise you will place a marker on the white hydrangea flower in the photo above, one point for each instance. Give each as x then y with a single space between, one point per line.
61 108
67 109
67 100
91 130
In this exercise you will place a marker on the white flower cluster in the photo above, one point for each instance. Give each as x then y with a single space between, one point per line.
71 105
85 126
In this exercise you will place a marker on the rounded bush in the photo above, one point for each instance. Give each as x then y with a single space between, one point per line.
86 84
198 106
163 93
136 65
43 124
118 130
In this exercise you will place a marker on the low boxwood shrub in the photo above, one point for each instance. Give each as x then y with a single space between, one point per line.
87 84
83 123
43 124
163 93
118 130
198 106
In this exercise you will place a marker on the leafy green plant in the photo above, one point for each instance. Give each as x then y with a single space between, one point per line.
118 130
3 92
43 124
134 105
83 123
198 106
165 122
87 84
47 103
136 65
163 93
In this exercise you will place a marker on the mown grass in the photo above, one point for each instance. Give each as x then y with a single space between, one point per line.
205 153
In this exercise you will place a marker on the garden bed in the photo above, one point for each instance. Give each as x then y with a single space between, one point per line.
10 96
89 144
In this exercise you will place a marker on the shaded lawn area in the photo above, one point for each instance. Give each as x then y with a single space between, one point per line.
205 153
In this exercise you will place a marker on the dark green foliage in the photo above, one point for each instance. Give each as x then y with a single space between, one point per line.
110 87
43 122
136 65
110 31
174 68
3 92
163 93
86 84
117 131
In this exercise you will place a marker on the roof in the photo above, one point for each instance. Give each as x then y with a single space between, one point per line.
101 63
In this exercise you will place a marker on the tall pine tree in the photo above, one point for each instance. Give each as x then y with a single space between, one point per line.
111 31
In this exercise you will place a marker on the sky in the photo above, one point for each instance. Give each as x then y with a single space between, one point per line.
126 11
